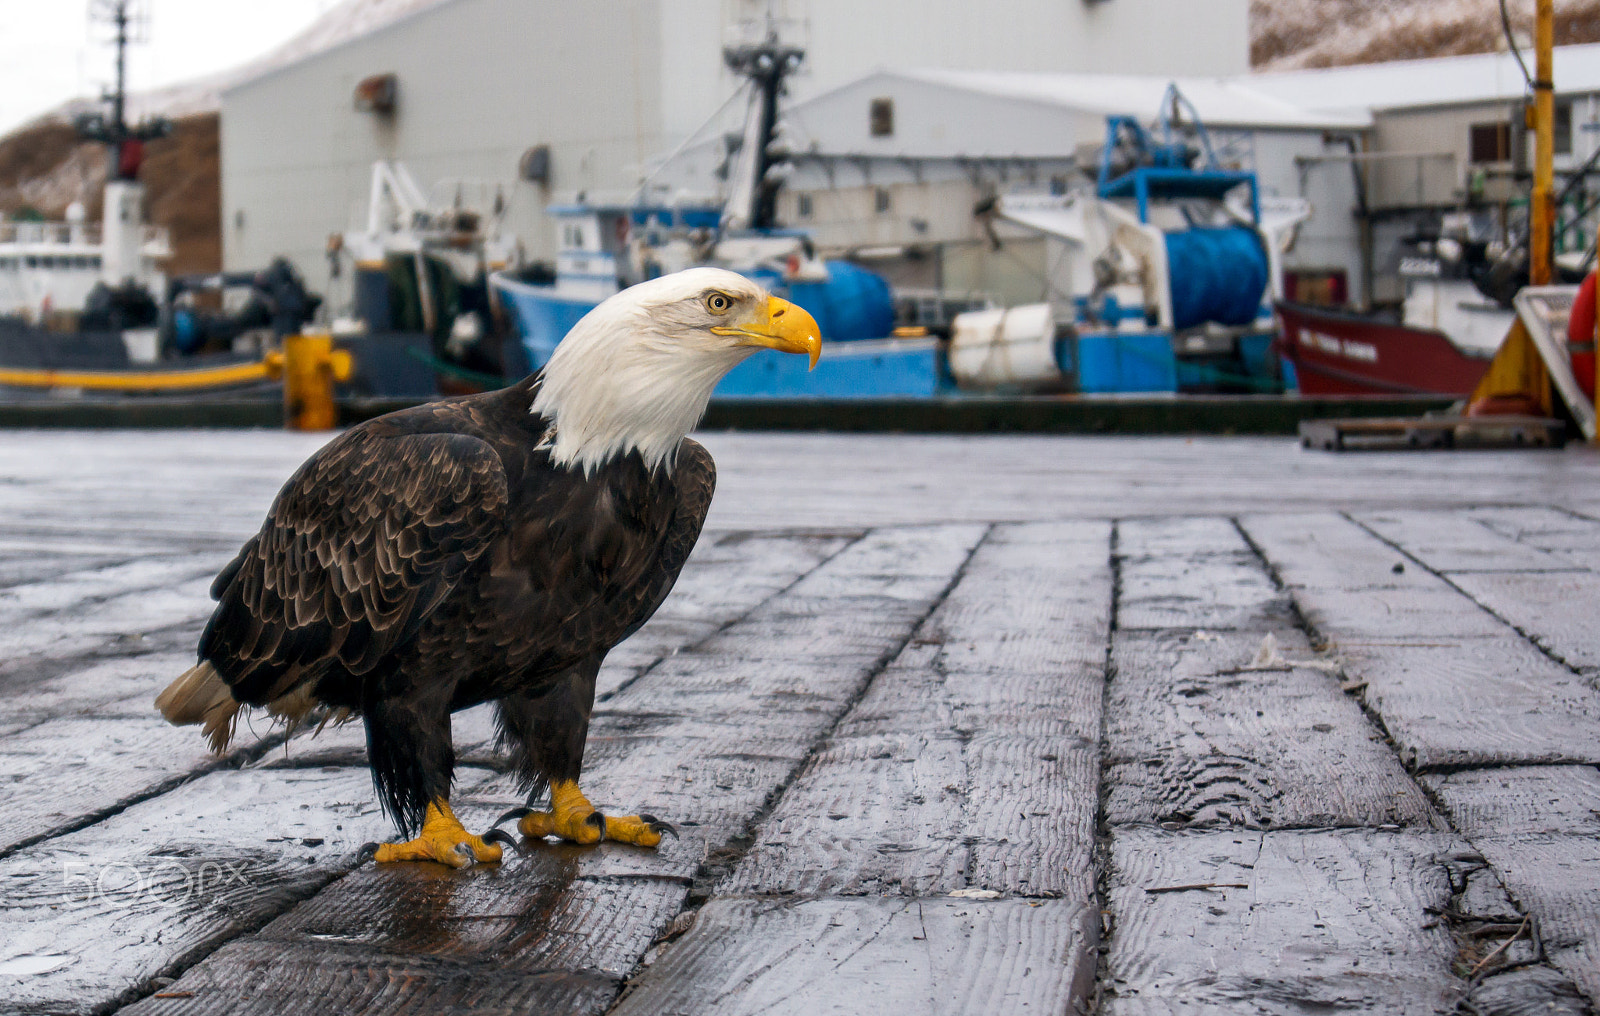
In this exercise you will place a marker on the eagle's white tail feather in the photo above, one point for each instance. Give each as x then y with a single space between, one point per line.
199 695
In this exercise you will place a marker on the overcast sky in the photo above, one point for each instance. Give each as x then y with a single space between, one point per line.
49 52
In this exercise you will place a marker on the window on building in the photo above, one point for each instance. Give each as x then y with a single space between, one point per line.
1490 142
1562 135
880 117
880 200
802 205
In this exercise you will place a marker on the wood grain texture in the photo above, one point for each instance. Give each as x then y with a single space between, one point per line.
1456 541
870 956
1192 739
1450 702
1538 827
1331 921
1554 610
157 886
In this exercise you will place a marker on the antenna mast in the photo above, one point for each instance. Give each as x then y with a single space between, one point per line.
124 144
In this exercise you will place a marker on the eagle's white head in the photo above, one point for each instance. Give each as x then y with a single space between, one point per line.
637 371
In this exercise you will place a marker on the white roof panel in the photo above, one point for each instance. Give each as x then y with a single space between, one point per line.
1441 81
1221 101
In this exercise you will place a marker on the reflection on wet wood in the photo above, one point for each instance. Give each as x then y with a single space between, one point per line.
162 884
870 956
57 774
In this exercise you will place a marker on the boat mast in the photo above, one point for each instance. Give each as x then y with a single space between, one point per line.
114 132
766 64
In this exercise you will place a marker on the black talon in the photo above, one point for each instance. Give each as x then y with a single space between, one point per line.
516 813
596 819
367 852
659 827
500 836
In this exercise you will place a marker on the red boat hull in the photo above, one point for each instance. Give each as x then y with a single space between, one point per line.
1336 353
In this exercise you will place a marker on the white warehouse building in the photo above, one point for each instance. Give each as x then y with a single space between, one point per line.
466 88
901 168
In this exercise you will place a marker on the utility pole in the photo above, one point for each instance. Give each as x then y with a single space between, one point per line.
1540 226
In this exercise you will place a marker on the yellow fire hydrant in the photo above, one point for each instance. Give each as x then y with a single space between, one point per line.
309 366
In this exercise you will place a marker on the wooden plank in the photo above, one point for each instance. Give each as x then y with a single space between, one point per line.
56 774
1214 591
1555 610
70 591
1524 801
1537 827
1325 550
524 936
1448 702
871 815
271 978
110 624
745 956
1351 618
1031 815
98 913
1456 542
1193 739
1330 921
919 791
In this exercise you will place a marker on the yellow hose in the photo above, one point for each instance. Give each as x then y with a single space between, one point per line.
145 380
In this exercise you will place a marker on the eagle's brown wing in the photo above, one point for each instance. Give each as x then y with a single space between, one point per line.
360 545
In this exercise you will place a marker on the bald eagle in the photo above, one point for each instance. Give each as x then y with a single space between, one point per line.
491 548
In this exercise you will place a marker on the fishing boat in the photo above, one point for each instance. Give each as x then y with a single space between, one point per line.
607 243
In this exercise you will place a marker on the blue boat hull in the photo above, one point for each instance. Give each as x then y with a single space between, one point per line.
870 369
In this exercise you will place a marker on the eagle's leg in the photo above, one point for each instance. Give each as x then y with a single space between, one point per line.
408 744
546 735
443 839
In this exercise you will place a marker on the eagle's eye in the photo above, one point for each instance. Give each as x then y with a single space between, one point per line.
718 303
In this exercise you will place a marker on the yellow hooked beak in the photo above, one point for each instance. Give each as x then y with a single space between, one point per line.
781 326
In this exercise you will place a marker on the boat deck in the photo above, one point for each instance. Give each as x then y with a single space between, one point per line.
948 724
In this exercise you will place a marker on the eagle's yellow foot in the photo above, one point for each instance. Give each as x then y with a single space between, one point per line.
572 817
445 840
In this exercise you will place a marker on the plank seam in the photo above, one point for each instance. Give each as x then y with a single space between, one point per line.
724 859
1103 923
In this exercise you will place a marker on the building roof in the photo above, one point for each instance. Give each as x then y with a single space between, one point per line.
1220 101
1441 81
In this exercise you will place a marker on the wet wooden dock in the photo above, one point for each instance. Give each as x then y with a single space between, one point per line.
947 724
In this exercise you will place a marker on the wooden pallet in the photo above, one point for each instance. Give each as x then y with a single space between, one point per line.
1433 432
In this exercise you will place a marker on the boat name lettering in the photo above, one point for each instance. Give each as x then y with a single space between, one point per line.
1349 348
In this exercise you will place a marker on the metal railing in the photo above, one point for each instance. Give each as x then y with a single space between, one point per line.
72 234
